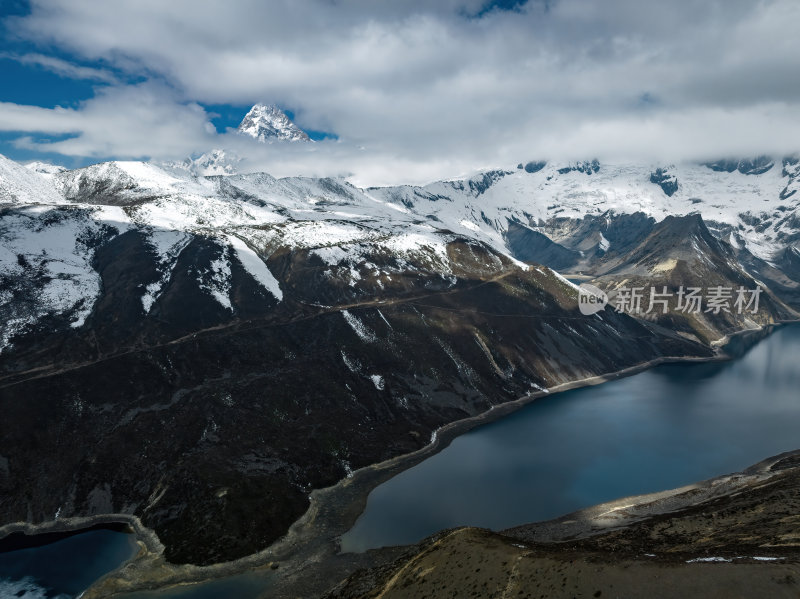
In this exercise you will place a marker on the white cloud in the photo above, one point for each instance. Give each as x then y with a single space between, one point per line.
61 67
429 92
127 122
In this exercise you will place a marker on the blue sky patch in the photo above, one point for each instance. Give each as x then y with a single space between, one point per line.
500 5
8 148
35 86
14 8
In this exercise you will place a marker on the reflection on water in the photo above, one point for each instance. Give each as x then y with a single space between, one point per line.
660 429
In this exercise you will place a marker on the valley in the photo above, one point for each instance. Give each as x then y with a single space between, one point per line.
226 345
415 300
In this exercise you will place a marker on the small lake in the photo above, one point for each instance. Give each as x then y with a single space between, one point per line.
63 568
663 428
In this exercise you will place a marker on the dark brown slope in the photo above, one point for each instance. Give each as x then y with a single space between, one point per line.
213 426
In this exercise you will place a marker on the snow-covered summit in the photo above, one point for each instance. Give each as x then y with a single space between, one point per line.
268 123
215 162
25 185
45 168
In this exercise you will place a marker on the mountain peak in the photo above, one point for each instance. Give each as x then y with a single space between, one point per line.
267 123
45 168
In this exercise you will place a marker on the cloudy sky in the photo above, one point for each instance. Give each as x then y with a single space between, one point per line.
401 90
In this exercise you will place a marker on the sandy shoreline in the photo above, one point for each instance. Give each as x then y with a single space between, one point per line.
332 511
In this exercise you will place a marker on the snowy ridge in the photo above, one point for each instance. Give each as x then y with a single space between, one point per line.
483 205
126 182
45 168
215 162
56 218
23 185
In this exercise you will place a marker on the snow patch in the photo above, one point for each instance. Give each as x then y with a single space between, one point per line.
352 366
254 265
167 246
46 266
316 234
217 279
384 320
362 331
332 256
467 224
728 560
708 559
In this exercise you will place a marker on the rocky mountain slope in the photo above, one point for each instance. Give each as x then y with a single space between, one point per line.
221 345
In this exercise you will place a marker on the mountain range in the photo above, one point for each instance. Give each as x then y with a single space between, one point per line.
223 344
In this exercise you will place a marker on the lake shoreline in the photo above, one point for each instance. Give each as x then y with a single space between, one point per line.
710 538
314 538
22 539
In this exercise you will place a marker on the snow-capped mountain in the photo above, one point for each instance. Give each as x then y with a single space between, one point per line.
23 185
45 168
759 207
288 331
579 218
267 123
215 162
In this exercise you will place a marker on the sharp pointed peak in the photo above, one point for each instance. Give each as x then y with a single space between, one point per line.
268 122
